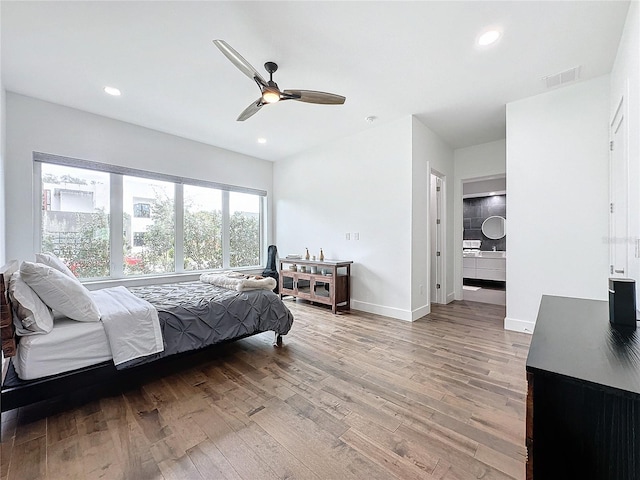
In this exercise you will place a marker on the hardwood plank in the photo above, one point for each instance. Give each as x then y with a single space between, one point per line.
28 460
211 463
64 459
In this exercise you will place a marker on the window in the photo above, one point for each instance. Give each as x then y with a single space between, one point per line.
141 210
153 220
75 218
202 233
168 224
244 229
138 241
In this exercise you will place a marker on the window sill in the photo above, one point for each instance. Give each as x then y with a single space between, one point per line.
159 279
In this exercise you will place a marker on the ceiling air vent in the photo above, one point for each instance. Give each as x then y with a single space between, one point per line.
563 77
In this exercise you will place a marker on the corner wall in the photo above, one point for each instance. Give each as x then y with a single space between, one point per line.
429 153
557 187
359 184
625 82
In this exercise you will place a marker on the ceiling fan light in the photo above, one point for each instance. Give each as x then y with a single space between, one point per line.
270 96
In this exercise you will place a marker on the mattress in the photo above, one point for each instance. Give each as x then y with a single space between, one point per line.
69 346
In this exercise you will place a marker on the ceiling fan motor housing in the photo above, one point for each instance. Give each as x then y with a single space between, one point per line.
271 67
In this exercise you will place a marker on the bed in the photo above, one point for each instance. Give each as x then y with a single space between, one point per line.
191 316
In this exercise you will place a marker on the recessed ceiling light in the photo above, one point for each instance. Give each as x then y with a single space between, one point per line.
262 140
489 37
371 119
112 91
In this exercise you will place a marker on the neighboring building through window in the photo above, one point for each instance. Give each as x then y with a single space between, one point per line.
75 218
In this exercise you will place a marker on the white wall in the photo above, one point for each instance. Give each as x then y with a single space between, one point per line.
35 125
3 149
429 153
360 184
487 159
557 187
625 82
375 183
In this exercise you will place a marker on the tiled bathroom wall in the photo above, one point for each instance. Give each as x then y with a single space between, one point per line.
477 210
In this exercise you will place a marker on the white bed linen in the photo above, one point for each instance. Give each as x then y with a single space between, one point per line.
70 345
130 323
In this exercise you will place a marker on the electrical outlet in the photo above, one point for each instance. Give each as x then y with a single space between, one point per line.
347 236
356 236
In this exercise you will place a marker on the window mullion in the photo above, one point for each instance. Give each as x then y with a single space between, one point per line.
226 237
179 227
38 200
116 226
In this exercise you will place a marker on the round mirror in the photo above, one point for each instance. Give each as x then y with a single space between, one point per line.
494 227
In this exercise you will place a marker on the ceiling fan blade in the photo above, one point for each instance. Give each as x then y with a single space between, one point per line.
250 110
237 59
310 96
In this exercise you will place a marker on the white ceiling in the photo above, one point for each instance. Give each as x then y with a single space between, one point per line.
390 59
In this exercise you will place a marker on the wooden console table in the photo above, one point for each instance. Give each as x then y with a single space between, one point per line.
583 396
330 285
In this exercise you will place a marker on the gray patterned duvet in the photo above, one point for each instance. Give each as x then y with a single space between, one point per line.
197 314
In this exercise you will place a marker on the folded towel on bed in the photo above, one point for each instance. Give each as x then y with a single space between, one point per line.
239 281
131 324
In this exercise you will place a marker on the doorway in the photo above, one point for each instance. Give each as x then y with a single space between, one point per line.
437 238
484 244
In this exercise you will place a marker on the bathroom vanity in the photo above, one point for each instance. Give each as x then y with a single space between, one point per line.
485 265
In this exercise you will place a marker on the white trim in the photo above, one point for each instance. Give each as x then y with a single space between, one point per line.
420 312
451 297
178 240
37 215
516 325
116 225
226 234
383 310
134 172
157 279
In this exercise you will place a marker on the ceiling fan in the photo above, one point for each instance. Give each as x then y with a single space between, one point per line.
270 91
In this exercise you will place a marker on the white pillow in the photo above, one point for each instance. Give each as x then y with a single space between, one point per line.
34 317
60 292
51 260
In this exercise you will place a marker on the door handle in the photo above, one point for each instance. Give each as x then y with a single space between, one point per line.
619 271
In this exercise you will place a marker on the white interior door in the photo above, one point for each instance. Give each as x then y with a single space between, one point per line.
619 196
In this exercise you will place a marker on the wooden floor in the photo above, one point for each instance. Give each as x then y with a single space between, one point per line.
349 396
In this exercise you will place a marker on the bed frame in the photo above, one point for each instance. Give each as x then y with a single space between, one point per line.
93 380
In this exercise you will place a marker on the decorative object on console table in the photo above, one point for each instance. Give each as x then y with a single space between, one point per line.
583 395
321 255
327 282
306 257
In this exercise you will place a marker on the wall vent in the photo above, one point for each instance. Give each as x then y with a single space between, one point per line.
561 78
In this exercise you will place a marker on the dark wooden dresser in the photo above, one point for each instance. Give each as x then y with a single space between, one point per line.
583 399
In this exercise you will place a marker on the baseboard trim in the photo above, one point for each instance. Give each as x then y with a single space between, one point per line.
392 312
451 297
420 312
516 325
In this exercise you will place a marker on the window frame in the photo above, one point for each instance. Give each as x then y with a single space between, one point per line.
116 209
